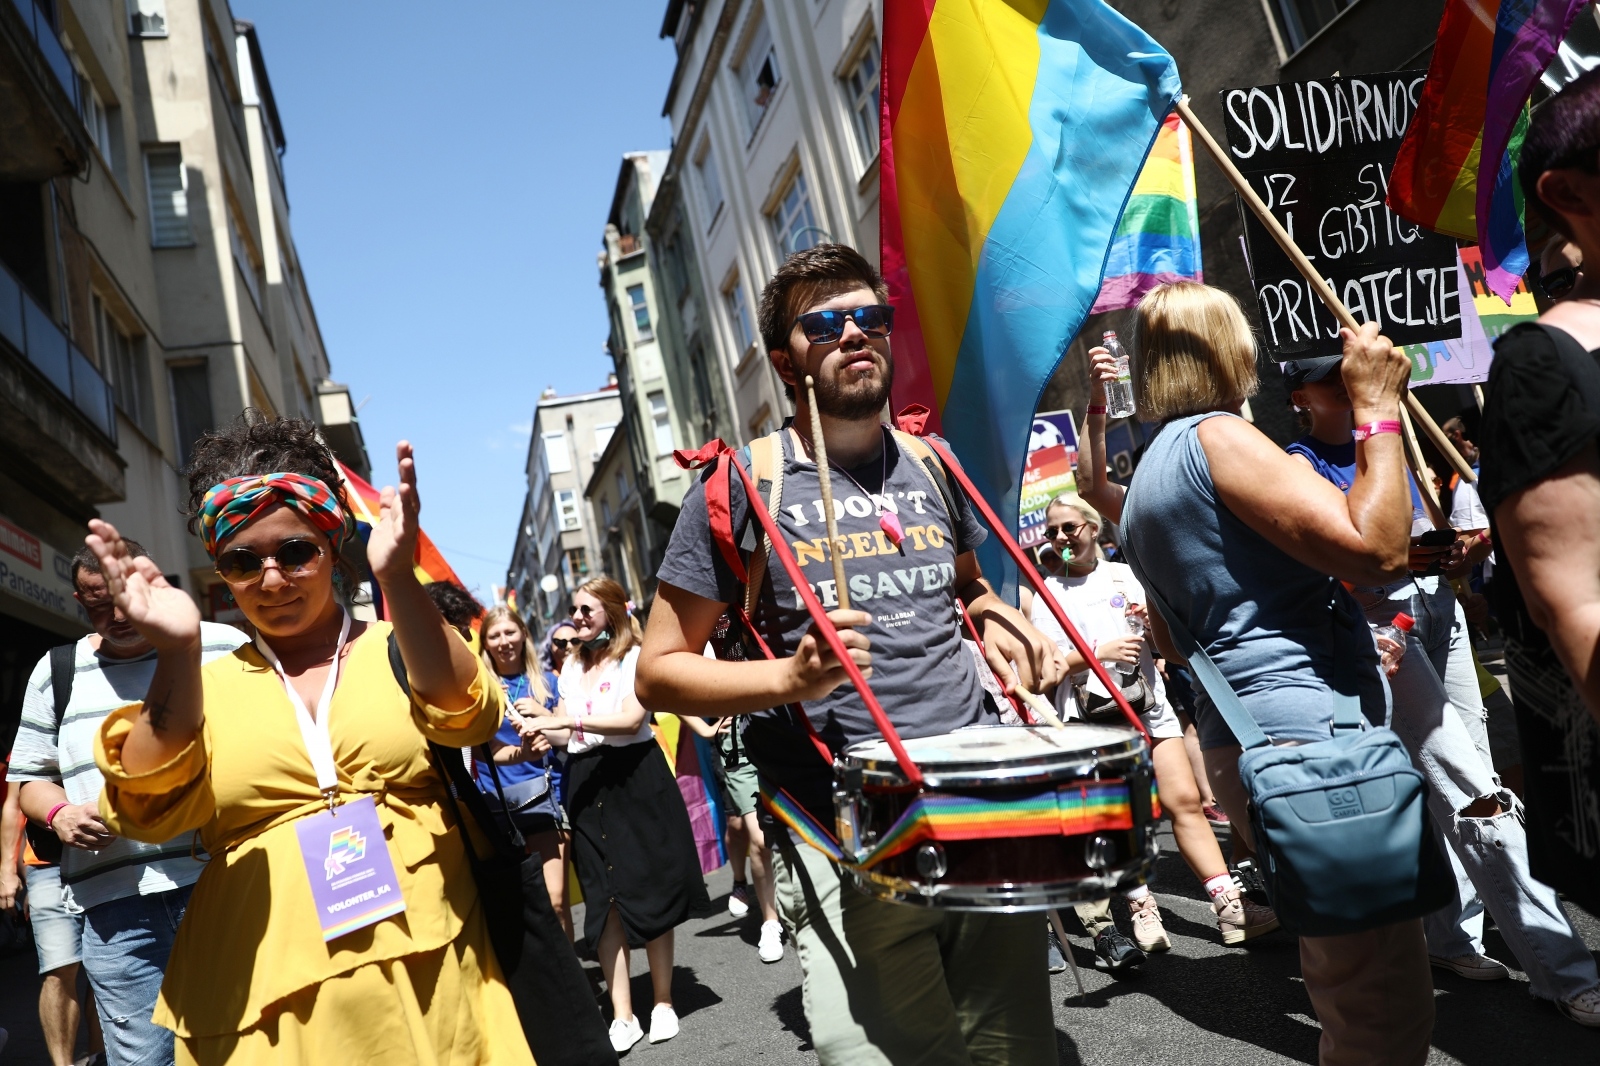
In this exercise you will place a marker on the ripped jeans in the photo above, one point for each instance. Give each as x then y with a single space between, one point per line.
1439 716
125 947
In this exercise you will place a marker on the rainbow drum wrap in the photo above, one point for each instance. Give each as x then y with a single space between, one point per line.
1012 818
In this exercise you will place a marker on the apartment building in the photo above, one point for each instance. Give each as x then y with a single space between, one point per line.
661 389
774 113
616 495
149 288
558 544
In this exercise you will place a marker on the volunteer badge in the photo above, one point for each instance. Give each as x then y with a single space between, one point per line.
347 862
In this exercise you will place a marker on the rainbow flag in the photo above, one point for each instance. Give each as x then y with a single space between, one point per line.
1158 239
363 501
1012 133
1456 169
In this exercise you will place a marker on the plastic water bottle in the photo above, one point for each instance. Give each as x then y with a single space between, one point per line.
1119 393
1135 629
1395 631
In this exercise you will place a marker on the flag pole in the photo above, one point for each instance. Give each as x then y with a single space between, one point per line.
1314 276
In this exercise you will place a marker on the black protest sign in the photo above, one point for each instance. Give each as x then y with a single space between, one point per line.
1319 154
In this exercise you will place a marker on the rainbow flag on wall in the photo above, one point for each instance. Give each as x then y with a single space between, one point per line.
1456 169
1012 133
1158 239
363 501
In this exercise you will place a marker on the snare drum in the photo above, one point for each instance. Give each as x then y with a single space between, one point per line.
1011 818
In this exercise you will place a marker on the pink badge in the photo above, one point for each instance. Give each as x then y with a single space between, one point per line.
890 524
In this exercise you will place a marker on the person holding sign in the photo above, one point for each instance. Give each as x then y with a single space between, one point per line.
337 919
1438 714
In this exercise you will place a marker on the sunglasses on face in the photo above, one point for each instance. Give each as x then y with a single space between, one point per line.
293 558
561 644
825 327
583 610
1063 530
1558 283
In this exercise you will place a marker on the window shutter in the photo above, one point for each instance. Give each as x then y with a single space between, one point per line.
169 200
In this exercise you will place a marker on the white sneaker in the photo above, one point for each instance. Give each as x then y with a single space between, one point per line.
1583 1008
1478 967
625 1034
739 900
771 947
663 1023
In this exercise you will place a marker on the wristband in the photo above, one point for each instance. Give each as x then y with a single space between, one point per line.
1372 429
52 815
1096 409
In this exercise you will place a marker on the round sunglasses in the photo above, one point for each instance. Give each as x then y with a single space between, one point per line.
825 327
293 558
562 644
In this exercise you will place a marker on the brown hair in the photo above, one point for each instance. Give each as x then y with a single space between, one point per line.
625 631
530 655
818 273
1194 352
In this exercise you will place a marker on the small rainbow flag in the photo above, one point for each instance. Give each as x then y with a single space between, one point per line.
1012 133
1158 239
1455 172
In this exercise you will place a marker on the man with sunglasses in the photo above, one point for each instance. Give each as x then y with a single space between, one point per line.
123 899
883 982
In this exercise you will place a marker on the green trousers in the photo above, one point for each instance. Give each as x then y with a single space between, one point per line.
887 983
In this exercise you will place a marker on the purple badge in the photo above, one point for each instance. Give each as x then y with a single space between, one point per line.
347 862
1118 600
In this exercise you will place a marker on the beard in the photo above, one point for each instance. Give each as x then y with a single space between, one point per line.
861 396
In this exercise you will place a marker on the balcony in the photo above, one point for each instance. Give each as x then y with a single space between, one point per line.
41 135
55 408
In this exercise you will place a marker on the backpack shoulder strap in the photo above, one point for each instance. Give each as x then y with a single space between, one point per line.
63 668
766 470
918 449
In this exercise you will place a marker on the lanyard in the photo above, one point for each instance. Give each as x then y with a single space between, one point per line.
315 733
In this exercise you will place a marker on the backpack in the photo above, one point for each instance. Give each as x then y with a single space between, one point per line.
63 669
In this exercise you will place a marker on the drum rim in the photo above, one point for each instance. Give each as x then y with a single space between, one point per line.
1016 897
1067 763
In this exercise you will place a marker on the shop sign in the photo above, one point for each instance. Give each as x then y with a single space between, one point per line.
37 574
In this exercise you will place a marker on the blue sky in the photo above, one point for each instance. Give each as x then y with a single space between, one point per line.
450 168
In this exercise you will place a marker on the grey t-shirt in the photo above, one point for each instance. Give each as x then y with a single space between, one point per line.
922 674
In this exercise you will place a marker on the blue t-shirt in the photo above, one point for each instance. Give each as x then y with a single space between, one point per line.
517 687
1337 464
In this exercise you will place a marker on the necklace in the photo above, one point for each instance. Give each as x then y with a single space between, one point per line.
888 521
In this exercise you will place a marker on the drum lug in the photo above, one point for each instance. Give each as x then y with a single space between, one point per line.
1098 852
932 863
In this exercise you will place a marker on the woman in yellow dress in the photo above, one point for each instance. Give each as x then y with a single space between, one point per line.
307 727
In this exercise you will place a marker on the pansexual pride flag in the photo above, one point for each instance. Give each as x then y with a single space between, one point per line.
363 501
1012 133
1455 172
1158 239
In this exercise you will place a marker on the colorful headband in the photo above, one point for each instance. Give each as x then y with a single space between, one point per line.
235 503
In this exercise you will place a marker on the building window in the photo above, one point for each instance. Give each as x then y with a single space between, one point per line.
641 312
759 75
677 271
605 511
169 199
122 358
738 314
191 406
104 123
567 510
244 255
705 165
556 456
147 18
1304 19
861 90
792 223
662 422
622 486
577 562
602 436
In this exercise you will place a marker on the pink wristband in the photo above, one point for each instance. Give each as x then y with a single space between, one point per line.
52 815
1372 429
1096 409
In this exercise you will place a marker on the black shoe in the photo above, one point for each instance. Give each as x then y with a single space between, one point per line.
1056 953
1252 882
1115 952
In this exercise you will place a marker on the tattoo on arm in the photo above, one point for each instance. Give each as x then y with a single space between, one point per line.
156 711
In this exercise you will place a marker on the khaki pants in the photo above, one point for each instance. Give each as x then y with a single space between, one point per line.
886 983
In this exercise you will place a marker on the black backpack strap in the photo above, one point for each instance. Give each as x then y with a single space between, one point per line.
63 668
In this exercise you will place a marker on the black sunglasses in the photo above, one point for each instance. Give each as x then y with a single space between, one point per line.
583 609
1052 532
1558 283
825 327
563 644
293 558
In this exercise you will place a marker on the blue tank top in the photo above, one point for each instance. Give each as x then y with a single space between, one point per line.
1337 465
1261 615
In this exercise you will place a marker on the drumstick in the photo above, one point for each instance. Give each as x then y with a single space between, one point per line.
1039 705
823 480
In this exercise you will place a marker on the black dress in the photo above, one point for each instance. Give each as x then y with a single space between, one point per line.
632 844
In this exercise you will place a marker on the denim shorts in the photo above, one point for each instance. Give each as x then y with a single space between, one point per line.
57 930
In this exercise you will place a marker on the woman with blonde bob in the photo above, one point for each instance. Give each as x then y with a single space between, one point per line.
631 839
1240 540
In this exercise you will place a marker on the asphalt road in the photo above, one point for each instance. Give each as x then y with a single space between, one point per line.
1200 1003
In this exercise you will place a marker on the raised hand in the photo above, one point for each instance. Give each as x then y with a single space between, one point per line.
163 615
393 545
1102 368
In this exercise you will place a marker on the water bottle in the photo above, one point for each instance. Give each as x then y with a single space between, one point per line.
1395 631
1135 629
1119 393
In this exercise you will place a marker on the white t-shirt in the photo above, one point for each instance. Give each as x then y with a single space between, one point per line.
1097 604
613 685
1466 512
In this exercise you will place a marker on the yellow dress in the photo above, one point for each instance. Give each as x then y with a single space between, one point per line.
250 979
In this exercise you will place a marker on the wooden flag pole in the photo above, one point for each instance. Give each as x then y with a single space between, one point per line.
1314 276
1420 471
